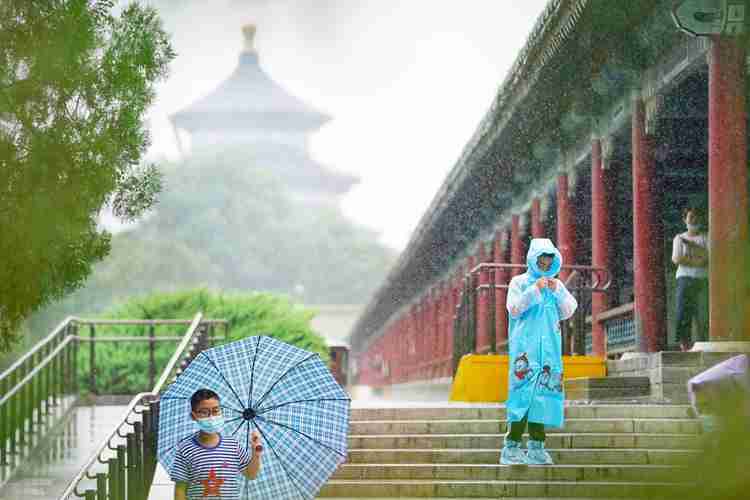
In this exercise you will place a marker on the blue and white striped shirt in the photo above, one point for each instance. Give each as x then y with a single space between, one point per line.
211 472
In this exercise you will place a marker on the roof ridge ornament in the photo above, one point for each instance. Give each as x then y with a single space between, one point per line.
248 33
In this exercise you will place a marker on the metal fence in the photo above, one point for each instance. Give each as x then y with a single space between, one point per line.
31 387
120 470
582 281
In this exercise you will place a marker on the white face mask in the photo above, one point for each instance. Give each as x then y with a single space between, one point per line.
693 228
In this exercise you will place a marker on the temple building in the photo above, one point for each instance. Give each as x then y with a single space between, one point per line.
251 111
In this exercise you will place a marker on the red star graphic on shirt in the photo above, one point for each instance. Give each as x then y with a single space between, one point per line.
212 485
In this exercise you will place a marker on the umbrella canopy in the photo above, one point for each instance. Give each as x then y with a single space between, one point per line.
729 374
286 393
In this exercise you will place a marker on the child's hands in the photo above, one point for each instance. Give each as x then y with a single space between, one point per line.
541 283
255 444
552 284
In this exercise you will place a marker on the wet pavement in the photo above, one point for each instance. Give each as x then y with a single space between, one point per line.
69 439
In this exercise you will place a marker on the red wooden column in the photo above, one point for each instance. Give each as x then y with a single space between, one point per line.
727 192
566 229
483 297
600 241
501 294
414 340
537 225
648 238
516 245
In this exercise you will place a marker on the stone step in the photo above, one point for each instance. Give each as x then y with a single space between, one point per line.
557 440
496 472
593 388
573 425
497 412
495 489
490 456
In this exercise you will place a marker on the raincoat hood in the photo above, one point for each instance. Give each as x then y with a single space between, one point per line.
538 247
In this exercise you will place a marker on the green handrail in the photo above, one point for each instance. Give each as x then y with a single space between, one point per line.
131 470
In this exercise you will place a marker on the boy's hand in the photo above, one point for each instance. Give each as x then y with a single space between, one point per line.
255 444
541 283
552 284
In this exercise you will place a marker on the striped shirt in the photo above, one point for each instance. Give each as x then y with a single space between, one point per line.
211 472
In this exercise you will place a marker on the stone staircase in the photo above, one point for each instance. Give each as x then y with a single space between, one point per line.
604 451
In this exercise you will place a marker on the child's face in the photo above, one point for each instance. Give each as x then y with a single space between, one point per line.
544 262
207 408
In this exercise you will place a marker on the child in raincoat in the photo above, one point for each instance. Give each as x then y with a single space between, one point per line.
537 302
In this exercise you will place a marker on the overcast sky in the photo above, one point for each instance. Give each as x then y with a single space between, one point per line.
406 82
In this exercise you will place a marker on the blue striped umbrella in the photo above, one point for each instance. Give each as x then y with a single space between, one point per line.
286 393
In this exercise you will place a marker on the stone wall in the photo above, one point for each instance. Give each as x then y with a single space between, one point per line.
668 372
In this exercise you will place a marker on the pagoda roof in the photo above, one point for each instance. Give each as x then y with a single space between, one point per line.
249 99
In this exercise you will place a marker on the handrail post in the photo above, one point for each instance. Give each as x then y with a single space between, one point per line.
130 468
92 359
74 370
121 465
101 486
151 358
113 467
138 453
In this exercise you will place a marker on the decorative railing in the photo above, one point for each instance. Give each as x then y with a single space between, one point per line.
582 281
130 466
31 387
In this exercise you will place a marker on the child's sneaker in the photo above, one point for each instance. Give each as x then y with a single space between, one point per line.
537 455
512 453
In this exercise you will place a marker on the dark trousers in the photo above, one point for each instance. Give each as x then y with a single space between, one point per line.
689 305
536 431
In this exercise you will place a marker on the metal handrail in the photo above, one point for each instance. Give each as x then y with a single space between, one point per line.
172 366
38 347
38 368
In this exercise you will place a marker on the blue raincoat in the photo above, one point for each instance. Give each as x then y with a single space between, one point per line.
535 386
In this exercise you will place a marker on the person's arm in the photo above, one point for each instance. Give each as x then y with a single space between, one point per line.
566 303
520 300
252 469
180 490
682 258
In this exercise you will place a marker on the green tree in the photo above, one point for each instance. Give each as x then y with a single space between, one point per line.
75 82
122 368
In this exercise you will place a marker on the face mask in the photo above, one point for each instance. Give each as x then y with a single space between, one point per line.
212 425
693 228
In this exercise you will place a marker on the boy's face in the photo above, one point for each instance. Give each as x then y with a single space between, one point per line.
207 408
544 262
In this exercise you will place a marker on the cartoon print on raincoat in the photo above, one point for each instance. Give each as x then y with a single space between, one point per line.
535 344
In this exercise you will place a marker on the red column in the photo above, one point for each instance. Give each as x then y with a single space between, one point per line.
727 192
537 225
600 238
501 277
414 336
482 338
516 245
648 239
566 231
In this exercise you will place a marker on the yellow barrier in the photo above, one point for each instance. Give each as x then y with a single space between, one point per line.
484 377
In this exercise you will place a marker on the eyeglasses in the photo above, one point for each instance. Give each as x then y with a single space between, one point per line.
208 412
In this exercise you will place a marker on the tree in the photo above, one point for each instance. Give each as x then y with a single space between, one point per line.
75 82
122 367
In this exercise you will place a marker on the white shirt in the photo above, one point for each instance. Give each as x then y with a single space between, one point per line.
682 249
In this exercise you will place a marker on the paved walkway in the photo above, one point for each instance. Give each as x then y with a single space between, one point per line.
70 439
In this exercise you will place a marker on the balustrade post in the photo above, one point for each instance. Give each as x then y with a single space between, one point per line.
92 359
113 467
89 495
101 486
151 358
131 469
121 469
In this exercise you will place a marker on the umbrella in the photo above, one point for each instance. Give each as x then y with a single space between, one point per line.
286 393
731 374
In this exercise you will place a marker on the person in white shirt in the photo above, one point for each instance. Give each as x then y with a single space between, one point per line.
690 254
